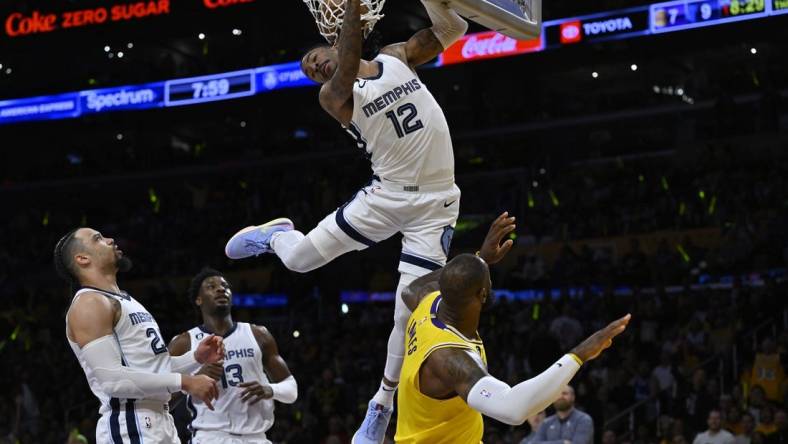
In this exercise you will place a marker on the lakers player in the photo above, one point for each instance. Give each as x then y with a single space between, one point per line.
245 408
118 344
445 388
397 123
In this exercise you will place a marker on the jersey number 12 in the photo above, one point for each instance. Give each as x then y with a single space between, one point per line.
408 112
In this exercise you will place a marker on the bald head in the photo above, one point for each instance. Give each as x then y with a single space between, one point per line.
463 280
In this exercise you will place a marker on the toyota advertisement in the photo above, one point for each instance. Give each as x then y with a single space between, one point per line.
598 27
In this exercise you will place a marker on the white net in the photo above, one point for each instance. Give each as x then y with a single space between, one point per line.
328 15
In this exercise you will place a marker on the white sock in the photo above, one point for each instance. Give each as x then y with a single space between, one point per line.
385 395
396 345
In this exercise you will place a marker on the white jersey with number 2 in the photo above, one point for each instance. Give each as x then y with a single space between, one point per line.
141 348
401 127
139 339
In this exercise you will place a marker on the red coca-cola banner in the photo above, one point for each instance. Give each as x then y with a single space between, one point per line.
36 22
487 45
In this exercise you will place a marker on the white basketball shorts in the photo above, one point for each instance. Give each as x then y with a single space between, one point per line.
377 212
136 422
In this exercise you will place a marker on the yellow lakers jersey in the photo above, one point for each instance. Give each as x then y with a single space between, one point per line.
422 419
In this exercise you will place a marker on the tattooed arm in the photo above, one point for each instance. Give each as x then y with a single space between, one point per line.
336 95
451 372
425 45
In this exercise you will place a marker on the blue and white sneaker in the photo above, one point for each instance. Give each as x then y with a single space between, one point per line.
255 240
373 429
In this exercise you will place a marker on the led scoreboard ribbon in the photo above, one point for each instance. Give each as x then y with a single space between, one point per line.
676 15
610 25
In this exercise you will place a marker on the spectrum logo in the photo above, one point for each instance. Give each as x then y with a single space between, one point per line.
570 32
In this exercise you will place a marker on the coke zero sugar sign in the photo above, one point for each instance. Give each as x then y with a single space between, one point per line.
19 24
487 45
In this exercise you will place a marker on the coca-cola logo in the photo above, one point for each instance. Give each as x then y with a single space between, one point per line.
486 46
570 32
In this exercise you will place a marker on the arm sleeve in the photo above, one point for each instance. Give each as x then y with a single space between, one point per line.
103 357
513 405
286 391
185 363
447 25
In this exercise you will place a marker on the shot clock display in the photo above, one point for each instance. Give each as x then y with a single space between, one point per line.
209 88
672 16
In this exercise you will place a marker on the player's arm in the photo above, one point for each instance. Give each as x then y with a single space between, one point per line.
425 45
492 251
210 350
420 288
336 95
284 387
91 321
464 374
184 362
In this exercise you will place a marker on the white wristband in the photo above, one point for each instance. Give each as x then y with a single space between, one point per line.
285 391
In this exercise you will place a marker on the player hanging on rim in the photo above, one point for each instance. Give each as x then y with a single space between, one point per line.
244 410
445 386
118 344
398 124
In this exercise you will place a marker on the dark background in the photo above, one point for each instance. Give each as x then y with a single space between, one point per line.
673 207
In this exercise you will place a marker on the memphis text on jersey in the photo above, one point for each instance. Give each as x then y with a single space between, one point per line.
240 353
140 317
390 97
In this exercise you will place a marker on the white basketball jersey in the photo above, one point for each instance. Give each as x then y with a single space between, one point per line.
401 127
140 343
243 362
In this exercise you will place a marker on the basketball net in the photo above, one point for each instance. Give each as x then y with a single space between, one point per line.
328 15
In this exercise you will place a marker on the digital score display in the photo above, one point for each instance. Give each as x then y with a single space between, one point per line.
673 16
209 88
779 6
